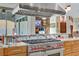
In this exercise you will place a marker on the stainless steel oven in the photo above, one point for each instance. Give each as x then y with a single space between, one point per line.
55 52
47 47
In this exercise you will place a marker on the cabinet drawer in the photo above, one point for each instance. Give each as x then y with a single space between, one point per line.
68 54
75 46
67 48
1 51
15 50
68 44
75 42
75 54
21 54
75 50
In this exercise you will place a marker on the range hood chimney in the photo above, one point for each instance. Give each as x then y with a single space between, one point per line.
34 10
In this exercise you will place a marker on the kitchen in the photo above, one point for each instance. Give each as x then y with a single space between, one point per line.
38 29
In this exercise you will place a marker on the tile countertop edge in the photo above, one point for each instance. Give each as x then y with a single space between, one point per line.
70 39
25 44
15 45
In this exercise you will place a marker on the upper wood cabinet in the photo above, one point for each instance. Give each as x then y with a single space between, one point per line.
61 25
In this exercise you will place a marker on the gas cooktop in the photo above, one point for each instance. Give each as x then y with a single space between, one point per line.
41 41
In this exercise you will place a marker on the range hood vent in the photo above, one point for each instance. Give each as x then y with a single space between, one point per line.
26 9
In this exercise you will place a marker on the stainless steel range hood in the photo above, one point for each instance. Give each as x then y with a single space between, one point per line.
38 9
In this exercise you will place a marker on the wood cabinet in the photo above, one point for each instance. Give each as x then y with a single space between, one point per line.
67 48
21 54
1 51
61 26
71 48
22 50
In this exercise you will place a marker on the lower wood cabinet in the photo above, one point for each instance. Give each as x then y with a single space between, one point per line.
67 54
67 48
14 51
1 52
71 48
21 54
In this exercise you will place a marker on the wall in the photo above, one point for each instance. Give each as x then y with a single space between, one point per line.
10 26
2 27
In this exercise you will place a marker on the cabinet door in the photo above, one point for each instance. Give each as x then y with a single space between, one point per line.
61 24
62 27
1 51
67 48
15 50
